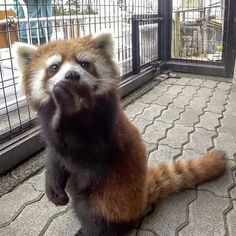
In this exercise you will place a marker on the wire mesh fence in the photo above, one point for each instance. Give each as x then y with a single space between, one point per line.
40 21
198 30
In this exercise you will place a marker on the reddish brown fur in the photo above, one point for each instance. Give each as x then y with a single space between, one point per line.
129 187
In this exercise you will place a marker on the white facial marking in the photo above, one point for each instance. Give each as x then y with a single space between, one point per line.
85 56
38 92
85 77
55 59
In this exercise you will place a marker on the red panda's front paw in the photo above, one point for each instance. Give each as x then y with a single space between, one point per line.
58 198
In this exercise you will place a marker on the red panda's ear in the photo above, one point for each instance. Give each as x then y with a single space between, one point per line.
105 42
22 54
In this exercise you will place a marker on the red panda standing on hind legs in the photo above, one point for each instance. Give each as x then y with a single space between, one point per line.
92 148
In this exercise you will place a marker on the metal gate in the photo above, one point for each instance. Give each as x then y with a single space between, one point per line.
202 36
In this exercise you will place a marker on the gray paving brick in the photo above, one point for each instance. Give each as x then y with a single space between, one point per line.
215 106
140 123
224 86
220 185
165 100
209 121
228 124
195 82
149 146
198 103
220 95
189 91
155 132
200 140
231 108
162 154
181 101
152 95
38 181
176 136
151 112
7 231
64 224
11 204
169 214
233 193
182 81
189 117
210 83
204 92
231 216
174 90
202 220
134 109
170 81
33 218
170 115
226 142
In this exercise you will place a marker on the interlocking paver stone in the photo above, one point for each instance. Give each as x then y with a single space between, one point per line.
231 220
155 132
38 181
195 82
153 94
175 90
189 91
233 193
226 141
133 109
204 92
169 214
12 203
200 140
224 86
177 136
189 117
181 101
170 118
198 103
228 124
205 216
210 84
209 121
141 123
59 228
170 115
34 217
182 81
170 81
151 112
165 100
162 154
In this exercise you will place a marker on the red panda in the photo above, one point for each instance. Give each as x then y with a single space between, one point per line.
93 151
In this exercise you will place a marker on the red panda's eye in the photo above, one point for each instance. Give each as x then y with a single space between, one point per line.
85 64
54 67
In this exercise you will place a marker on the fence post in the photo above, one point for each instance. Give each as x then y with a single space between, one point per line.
135 46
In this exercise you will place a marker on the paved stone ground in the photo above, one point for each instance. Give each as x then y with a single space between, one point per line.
179 118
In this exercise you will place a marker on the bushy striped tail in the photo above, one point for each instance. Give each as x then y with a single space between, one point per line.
171 177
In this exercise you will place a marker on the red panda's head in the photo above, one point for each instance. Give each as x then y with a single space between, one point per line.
85 61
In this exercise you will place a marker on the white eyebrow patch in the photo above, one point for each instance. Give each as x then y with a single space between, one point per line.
55 59
85 56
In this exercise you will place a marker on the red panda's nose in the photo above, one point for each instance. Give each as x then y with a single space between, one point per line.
72 75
